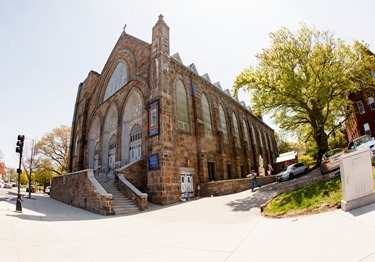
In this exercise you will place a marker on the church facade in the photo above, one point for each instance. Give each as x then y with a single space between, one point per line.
164 126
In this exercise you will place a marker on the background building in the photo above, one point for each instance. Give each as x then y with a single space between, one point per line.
166 128
362 121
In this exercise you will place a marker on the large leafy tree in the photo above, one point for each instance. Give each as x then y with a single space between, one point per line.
303 81
54 146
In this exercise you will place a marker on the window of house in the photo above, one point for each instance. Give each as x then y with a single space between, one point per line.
367 129
371 103
182 107
223 124
361 108
206 117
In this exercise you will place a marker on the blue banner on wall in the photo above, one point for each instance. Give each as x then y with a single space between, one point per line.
153 161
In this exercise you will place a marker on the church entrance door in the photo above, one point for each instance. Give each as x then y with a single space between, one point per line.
187 186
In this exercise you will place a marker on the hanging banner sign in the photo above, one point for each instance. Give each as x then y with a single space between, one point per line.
153 118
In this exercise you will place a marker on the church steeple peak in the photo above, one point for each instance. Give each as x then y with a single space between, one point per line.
160 37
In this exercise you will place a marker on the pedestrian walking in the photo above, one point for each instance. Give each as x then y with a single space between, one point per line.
254 181
270 169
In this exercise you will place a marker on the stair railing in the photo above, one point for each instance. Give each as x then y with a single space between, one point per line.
131 192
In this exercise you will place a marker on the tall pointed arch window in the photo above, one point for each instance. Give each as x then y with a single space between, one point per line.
245 131
182 107
223 124
206 117
260 138
118 79
235 127
253 135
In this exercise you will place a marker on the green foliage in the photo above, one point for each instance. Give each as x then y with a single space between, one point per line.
306 159
337 140
306 199
53 149
43 177
304 81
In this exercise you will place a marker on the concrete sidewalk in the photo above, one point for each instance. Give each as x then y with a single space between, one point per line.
227 228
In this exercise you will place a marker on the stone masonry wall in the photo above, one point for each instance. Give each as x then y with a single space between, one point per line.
136 174
225 187
80 189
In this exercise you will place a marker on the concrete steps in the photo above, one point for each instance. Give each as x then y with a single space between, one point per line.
121 204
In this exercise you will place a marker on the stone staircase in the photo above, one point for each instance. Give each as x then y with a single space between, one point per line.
121 204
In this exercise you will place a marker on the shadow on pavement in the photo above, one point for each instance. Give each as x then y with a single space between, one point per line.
252 201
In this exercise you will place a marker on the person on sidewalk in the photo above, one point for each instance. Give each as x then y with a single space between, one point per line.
254 181
270 169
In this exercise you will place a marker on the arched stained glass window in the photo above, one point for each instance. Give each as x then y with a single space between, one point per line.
182 107
223 124
235 127
118 79
206 117
245 130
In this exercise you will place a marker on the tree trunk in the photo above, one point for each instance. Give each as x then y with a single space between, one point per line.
321 140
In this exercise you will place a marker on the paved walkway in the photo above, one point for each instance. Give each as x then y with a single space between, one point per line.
227 228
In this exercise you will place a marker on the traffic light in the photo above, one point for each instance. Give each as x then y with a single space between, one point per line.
19 147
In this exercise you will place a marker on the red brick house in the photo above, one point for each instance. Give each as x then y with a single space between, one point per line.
362 121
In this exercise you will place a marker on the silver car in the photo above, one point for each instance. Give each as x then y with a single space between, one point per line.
331 160
292 171
362 142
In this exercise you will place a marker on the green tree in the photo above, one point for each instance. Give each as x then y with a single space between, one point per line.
44 173
54 146
2 167
23 178
303 81
282 145
11 174
29 163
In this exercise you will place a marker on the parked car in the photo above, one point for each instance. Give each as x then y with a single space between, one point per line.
7 185
32 189
362 142
331 160
292 171
47 190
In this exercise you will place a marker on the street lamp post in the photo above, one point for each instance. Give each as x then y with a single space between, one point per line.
31 164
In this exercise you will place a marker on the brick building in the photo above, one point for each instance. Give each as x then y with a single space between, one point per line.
362 121
161 124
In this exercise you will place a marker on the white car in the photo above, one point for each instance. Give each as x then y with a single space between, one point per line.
331 160
292 171
362 142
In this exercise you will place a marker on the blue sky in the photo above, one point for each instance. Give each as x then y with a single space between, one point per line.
48 47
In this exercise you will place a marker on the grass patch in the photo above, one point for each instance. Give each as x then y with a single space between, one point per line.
306 200
323 196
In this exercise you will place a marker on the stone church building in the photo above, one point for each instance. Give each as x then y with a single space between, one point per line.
163 126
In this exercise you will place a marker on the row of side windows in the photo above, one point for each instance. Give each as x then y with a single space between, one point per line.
183 117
